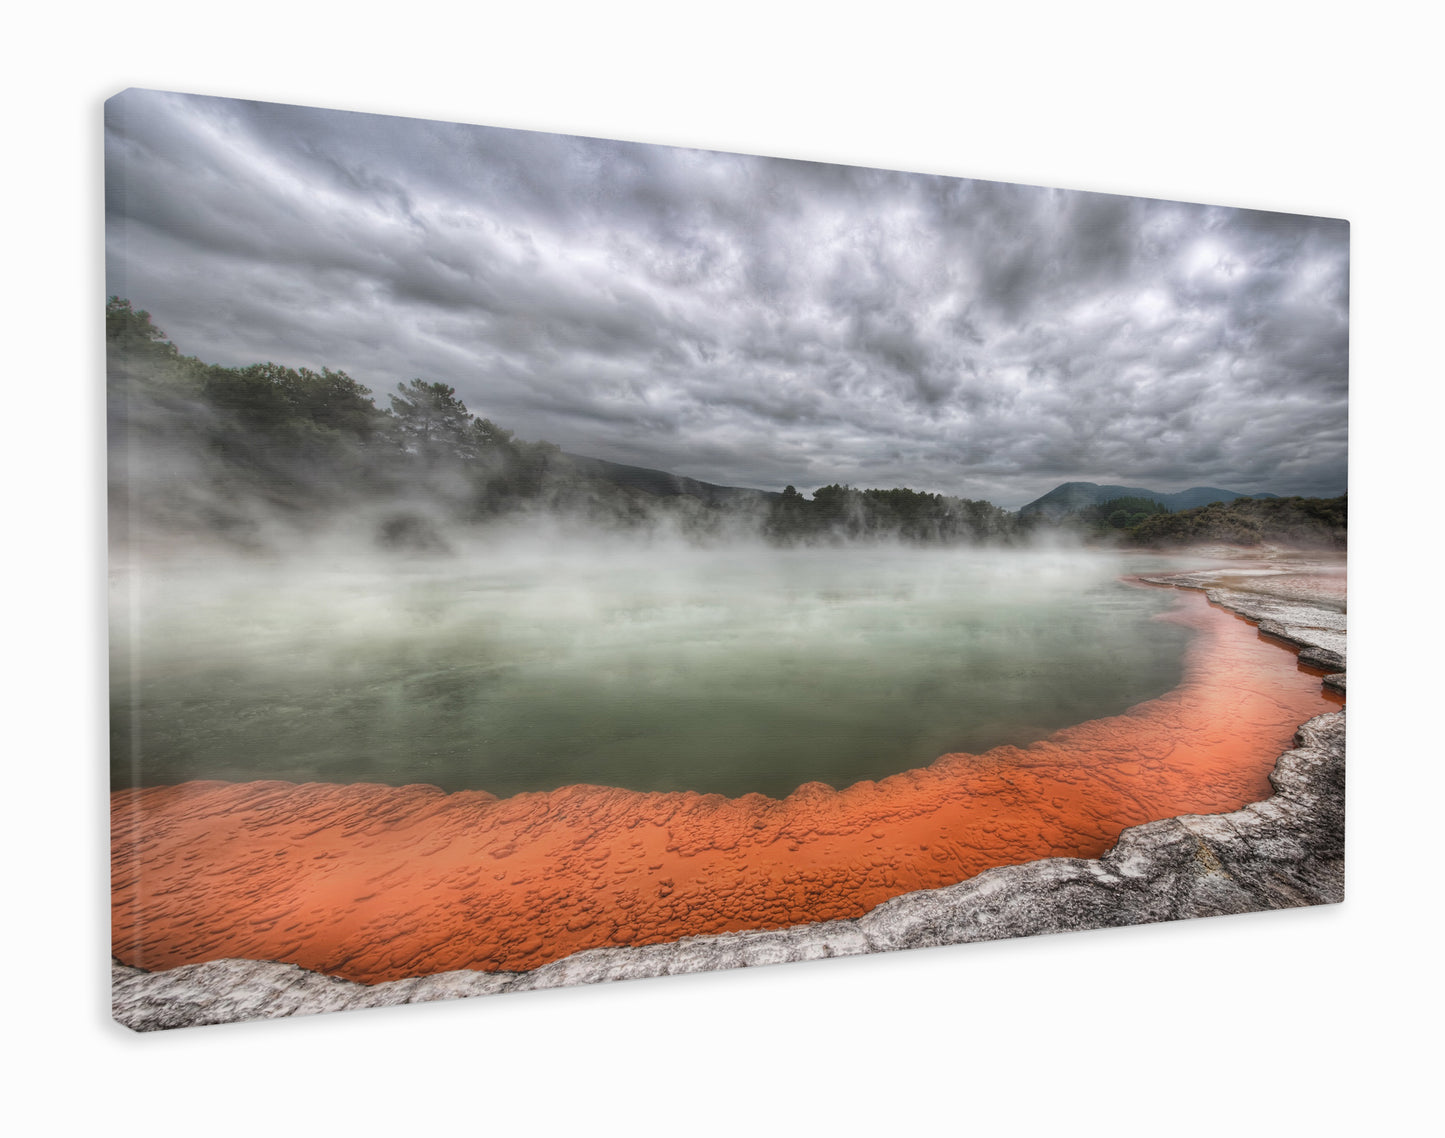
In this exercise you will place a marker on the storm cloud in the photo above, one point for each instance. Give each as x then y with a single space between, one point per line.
742 320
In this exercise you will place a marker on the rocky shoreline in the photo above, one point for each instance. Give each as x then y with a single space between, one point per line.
1305 609
1285 851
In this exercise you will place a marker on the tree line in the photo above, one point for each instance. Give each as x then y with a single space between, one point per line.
219 449
199 448
844 513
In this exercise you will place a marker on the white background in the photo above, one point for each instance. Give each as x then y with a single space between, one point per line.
1322 1019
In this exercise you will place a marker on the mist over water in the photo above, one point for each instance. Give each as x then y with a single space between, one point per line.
310 587
526 662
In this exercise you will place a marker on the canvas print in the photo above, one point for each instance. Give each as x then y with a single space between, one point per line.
539 560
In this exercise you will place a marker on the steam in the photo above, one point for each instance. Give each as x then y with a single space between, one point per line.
533 657
186 472
302 602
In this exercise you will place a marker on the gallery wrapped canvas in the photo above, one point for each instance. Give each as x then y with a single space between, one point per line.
538 560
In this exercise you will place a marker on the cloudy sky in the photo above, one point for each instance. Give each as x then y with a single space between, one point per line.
747 321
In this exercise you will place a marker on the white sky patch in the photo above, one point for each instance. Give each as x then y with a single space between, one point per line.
1152 306
1211 260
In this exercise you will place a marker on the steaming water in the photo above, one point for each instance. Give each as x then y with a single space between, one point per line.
517 669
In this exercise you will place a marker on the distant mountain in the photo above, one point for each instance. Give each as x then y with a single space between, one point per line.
661 483
1070 496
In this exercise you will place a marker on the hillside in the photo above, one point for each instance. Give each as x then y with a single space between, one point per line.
1069 497
1301 523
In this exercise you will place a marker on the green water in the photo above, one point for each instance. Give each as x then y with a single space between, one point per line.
521 670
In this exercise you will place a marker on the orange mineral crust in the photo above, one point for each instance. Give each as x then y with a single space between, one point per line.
377 883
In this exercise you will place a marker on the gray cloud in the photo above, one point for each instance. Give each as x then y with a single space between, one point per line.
743 320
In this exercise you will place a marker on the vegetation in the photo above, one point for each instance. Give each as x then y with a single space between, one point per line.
1118 514
1314 523
199 448
843 513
